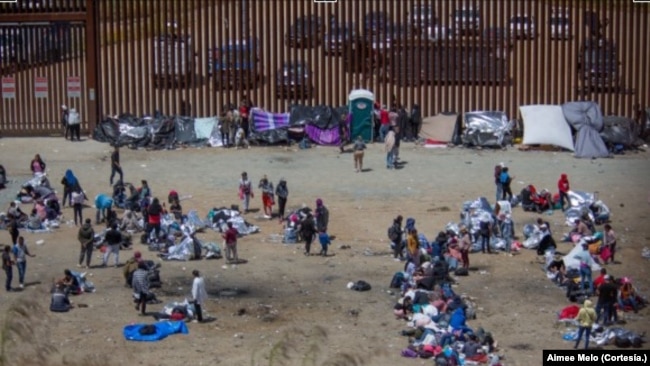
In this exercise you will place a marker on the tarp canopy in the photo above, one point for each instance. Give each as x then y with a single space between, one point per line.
587 119
320 122
441 127
486 128
619 130
268 127
545 125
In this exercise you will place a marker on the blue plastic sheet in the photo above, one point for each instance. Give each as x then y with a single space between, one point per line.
163 329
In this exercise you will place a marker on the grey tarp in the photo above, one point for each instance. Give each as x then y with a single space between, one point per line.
587 119
486 129
619 130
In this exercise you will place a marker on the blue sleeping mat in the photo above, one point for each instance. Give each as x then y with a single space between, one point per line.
163 329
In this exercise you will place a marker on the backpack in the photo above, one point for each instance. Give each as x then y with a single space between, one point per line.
461 272
361 286
398 279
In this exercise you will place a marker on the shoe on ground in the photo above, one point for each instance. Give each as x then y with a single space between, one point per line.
22 286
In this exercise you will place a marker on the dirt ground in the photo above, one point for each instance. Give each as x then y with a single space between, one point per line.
297 309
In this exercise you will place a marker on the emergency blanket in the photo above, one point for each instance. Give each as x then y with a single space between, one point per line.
220 217
486 129
162 330
571 262
587 118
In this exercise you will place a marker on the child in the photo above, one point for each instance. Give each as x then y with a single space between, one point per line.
240 139
324 239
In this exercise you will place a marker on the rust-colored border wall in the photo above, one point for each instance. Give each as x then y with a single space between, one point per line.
457 73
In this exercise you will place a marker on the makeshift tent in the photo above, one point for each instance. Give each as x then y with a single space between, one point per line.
441 128
645 134
587 119
361 106
268 127
545 125
619 130
486 129
320 122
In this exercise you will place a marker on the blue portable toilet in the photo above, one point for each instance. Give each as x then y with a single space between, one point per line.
360 103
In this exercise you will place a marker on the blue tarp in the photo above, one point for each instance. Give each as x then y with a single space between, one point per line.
163 329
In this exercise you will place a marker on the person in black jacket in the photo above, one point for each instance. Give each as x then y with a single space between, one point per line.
395 234
307 231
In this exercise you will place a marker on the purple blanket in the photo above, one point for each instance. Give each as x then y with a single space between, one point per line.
266 121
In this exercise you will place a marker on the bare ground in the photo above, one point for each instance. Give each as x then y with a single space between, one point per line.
285 308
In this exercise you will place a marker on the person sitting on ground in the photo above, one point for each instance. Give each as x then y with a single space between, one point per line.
69 283
541 222
130 266
558 269
16 213
581 228
59 303
547 243
176 210
34 221
473 350
130 222
403 308
600 212
627 295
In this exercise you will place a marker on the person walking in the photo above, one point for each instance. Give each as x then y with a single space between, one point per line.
267 196
21 252
586 318
113 239
389 148
199 294
358 148
230 237
8 266
282 191
322 216
140 284
86 237
13 230
563 188
497 181
116 167
307 231
344 132
245 191
77 200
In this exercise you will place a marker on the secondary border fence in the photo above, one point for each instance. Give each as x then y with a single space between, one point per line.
195 56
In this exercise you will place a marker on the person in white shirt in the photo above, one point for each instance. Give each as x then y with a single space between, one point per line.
199 294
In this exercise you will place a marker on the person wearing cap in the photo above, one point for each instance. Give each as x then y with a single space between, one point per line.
86 237
606 305
245 191
199 294
586 318
141 287
282 191
129 268
267 196
322 215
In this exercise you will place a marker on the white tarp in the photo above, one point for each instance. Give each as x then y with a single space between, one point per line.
203 127
546 125
570 260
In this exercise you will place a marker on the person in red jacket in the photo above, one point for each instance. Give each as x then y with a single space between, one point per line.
563 187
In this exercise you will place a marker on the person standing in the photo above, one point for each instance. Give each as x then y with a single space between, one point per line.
154 216
140 283
389 148
325 242
245 191
586 262
322 216
116 167
586 318
267 196
563 188
610 242
416 120
282 191
230 237
113 239
485 232
384 120
64 120
74 124
307 231
395 234
506 179
226 122
77 200
507 231
343 132
464 247
20 256
86 237
358 148
199 294
7 265
606 305
413 247
37 165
